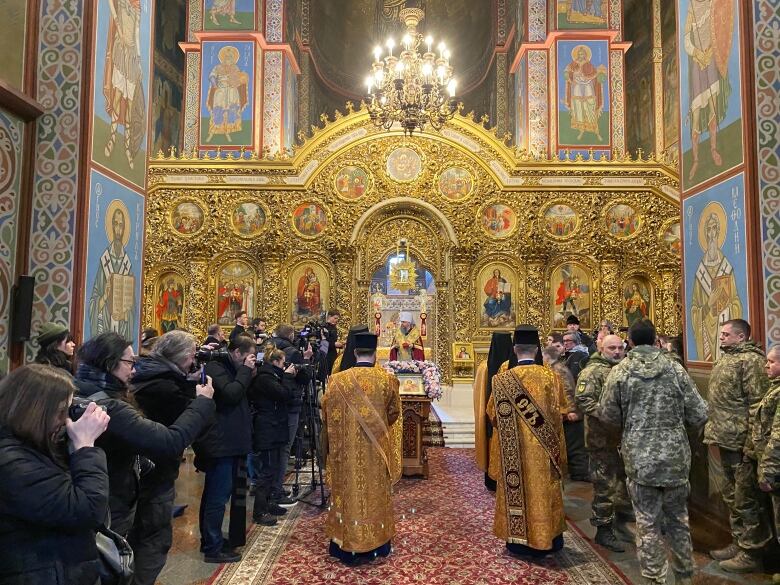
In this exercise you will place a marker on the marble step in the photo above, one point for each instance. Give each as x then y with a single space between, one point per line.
458 434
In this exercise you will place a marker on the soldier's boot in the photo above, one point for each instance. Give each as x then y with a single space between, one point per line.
622 531
725 553
745 562
606 538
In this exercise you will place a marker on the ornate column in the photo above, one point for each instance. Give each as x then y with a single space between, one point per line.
611 305
344 262
536 300
360 312
273 305
667 313
198 316
462 260
442 350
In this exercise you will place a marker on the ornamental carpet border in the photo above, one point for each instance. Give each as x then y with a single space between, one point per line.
443 537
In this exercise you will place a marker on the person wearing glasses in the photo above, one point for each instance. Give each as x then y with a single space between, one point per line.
106 365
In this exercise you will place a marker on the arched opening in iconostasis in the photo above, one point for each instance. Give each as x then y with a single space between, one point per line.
402 285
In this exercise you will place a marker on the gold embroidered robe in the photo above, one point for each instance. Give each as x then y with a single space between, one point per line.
412 338
542 506
486 447
360 518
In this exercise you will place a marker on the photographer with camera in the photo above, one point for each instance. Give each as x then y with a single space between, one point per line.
332 337
222 452
106 364
259 329
297 354
270 394
162 388
51 501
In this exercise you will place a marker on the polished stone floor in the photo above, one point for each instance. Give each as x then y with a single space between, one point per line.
185 566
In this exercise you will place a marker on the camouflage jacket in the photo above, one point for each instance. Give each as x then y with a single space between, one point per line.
738 382
590 385
653 398
766 436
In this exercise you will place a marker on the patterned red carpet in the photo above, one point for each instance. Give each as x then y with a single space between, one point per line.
443 536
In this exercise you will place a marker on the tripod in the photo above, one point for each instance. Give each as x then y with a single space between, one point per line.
309 430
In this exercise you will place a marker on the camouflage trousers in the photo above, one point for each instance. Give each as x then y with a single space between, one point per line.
609 486
776 509
662 509
753 506
747 504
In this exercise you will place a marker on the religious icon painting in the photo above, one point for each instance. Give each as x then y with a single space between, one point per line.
235 291
495 286
637 300
410 385
560 221
228 15
462 352
571 288
309 219
227 94
456 184
622 221
248 219
187 218
352 182
582 14
498 220
715 265
710 89
583 93
309 287
121 82
169 302
671 239
404 164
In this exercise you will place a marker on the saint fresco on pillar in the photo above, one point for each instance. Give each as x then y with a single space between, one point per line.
582 14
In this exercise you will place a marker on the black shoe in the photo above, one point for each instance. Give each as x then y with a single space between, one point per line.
276 510
223 556
264 520
285 502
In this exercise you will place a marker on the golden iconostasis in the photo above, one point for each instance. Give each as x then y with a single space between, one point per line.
495 236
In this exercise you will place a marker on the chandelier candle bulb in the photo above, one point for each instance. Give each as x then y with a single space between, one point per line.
429 42
390 46
377 53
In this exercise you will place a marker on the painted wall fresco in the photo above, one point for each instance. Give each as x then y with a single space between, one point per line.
290 107
114 259
13 27
169 302
11 148
236 289
640 111
767 55
229 14
167 88
496 284
671 79
715 266
309 292
121 87
637 300
53 222
570 289
583 93
227 93
710 89
582 14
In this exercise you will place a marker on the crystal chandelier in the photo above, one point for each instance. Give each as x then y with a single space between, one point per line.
411 89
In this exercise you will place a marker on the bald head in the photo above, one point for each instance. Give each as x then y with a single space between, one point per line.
612 348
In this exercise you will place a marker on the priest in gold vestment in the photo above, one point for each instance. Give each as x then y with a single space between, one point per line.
524 408
358 410
407 341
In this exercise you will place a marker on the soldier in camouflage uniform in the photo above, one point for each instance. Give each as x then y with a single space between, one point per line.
652 399
738 382
606 467
766 439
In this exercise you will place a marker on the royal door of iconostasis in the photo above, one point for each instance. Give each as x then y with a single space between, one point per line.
493 236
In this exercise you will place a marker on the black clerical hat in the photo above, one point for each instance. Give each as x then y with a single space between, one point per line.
365 341
526 335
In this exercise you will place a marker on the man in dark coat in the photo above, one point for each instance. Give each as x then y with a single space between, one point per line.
221 454
242 325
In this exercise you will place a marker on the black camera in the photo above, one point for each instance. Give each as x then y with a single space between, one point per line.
79 406
313 330
205 355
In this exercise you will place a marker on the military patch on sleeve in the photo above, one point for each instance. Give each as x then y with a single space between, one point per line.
581 387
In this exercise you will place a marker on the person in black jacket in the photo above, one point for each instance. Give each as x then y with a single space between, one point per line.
222 452
242 325
216 338
283 339
51 503
270 395
55 346
162 389
106 363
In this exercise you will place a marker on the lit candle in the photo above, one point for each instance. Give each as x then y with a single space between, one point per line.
429 42
390 44
377 52
427 69
407 41
399 69
451 87
369 83
440 72
441 48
